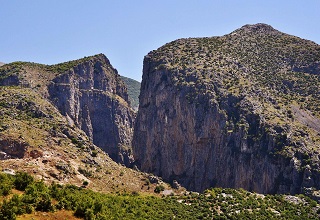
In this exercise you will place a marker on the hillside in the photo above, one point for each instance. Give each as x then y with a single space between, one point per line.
88 92
133 91
36 138
1 64
240 111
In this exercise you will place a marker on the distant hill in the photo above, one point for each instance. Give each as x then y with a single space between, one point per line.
1 64
133 91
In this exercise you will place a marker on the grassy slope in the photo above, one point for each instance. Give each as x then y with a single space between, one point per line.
59 214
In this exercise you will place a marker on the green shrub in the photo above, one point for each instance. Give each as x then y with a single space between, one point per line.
38 194
87 204
159 188
94 153
22 180
6 184
85 183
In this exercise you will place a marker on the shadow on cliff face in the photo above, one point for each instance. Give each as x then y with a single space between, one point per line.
12 149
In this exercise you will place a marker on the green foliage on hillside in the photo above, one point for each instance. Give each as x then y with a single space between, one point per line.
57 68
215 203
133 87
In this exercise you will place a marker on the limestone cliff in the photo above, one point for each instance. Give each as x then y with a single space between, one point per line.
226 111
95 99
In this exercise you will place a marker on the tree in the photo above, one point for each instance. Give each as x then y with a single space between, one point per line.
22 180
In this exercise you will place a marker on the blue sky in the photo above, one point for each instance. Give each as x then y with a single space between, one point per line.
50 32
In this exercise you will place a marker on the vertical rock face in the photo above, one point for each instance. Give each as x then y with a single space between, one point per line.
206 117
95 99
179 140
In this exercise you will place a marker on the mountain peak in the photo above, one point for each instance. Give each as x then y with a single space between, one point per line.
259 28
95 57
65 66
98 56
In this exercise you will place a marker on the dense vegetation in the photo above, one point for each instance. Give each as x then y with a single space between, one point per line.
213 204
133 87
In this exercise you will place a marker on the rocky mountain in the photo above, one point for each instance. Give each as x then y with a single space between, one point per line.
95 98
89 93
133 91
240 111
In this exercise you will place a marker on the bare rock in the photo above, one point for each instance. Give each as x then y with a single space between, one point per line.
175 184
93 97
11 148
153 179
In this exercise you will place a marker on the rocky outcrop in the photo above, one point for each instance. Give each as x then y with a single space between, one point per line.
10 81
199 125
94 98
12 149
